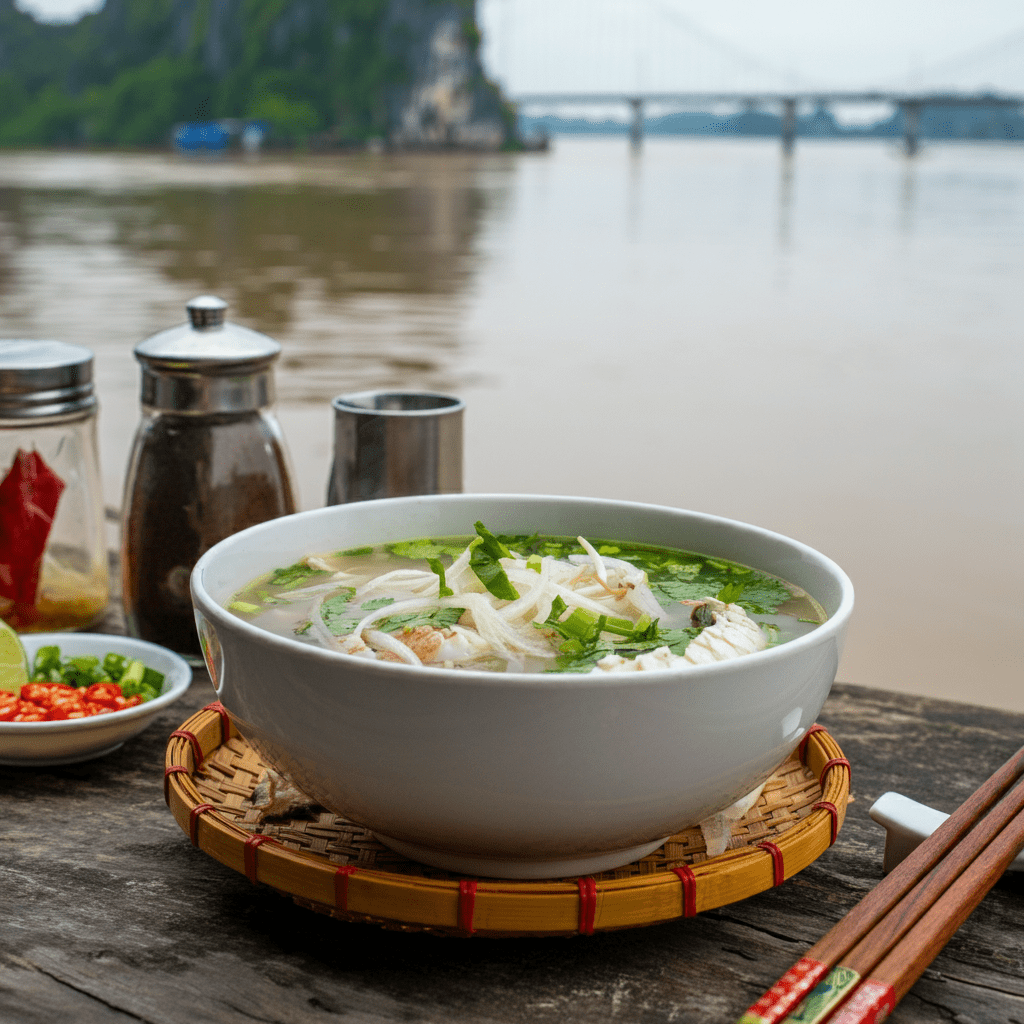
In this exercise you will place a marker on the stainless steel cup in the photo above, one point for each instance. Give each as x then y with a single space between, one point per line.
392 443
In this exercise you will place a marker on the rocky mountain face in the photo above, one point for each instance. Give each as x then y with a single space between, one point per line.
445 99
404 70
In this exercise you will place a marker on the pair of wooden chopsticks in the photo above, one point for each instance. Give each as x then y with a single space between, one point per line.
859 971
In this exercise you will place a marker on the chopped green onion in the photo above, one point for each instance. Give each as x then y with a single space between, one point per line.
443 590
483 560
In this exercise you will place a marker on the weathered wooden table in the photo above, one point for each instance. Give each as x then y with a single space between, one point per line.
108 914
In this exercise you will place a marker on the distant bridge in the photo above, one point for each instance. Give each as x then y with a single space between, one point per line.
639 53
911 104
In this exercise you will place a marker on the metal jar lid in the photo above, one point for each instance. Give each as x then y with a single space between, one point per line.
207 365
39 379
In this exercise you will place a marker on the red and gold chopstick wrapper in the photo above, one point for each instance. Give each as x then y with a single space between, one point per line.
787 993
870 1004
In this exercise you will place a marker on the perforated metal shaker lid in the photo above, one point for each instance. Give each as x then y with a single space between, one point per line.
44 378
207 364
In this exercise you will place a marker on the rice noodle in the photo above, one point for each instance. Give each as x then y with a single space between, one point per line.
595 558
493 629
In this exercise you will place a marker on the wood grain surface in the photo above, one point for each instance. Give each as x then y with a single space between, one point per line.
108 914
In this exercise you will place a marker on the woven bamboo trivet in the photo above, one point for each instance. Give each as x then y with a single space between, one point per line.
335 867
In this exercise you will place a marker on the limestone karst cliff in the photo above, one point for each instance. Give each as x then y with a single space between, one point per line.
327 71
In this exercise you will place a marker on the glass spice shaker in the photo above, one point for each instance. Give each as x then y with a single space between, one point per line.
54 572
208 460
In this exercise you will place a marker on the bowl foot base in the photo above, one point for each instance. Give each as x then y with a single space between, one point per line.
52 762
493 867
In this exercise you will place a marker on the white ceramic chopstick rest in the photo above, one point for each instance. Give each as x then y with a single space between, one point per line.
907 824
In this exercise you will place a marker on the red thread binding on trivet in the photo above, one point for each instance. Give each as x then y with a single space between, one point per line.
689 880
341 877
168 772
829 765
467 904
225 720
193 821
827 805
803 743
249 854
197 751
778 864
588 904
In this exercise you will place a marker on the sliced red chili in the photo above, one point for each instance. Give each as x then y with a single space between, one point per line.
107 694
42 694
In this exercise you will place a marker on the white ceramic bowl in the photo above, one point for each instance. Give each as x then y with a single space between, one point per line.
516 775
52 743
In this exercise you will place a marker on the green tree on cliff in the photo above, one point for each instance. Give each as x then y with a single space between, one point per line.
127 74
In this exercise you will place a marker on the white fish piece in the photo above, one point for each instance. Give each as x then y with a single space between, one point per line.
357 647
733 633
660 657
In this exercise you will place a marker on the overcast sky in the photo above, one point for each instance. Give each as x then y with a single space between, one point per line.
822 42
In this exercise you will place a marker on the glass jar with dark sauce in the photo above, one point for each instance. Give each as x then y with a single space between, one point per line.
209 459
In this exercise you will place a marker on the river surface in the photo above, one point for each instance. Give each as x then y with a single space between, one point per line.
828 346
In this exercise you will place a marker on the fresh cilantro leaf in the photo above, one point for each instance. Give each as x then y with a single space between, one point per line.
439 618
762 595
730 593
352 552
425 548
377 602
292 576
336 612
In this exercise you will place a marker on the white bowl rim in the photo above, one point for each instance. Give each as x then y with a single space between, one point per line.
177 682
475 677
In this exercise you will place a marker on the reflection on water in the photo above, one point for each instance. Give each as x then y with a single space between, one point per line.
362 273
786 177
827 345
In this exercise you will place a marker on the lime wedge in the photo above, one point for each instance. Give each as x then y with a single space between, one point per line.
13 660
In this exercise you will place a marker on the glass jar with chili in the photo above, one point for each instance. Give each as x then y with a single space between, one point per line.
53 554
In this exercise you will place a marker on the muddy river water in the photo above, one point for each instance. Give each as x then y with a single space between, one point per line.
828 346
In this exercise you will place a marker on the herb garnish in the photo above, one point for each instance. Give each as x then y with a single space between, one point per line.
335 613
291 576
483 560
80 670
443 590
439 618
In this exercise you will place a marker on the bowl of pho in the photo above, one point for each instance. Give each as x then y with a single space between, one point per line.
520 686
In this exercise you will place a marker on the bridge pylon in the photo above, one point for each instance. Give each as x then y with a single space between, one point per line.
911 126
636 122
788 129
